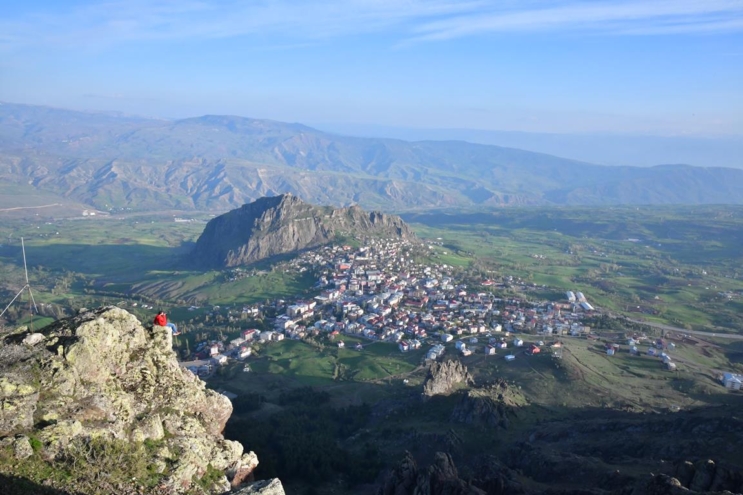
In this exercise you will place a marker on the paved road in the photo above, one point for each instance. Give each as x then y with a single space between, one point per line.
731 336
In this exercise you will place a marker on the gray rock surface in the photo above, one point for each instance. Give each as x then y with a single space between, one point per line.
443 377
102 375
285 224
263 487
22 448
493 406
441 478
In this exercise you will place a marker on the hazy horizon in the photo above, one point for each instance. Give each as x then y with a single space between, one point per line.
614 149
569 66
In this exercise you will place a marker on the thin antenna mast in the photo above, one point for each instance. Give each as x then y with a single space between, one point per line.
25 269
27 286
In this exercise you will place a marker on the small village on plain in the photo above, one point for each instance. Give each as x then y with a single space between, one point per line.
378 293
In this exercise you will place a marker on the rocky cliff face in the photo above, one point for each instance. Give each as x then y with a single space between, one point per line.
492 406
443 377
441 478
285 224
488 476
98 400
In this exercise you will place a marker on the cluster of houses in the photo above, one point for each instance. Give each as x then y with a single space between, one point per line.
656 348
379 292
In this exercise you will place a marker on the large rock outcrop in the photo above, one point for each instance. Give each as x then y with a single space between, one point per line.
443 377
492 406
441 478
99 392
285 224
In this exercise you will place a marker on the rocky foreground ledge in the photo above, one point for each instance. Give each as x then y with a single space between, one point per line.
97 403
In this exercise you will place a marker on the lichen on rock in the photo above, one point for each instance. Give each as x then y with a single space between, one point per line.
443 377
101 379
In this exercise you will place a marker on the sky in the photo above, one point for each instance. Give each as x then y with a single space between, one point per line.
655 67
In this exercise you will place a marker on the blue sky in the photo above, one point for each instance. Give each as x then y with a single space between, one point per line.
671 67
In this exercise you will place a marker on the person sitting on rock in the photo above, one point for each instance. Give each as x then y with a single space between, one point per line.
161 320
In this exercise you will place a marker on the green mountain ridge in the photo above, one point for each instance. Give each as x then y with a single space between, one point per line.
217 163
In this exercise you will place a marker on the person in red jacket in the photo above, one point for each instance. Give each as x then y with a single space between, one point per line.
161 320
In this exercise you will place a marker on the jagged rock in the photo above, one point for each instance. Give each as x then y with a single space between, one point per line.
442 377
18 398
441 478
285 224
727 479
493 406
708 476
22 448
242 471
263 487
703 475
548 465
663 484
685 473
495 478
102 375
402 479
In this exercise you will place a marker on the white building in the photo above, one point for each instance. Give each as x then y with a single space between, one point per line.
732 381
435 352
219 359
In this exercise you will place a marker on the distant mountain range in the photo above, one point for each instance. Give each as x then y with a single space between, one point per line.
600 148
218 163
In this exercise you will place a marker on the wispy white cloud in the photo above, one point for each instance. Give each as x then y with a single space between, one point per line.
610 17
120 21
127 20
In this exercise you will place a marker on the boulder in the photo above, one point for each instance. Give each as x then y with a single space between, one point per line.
102 377
264 487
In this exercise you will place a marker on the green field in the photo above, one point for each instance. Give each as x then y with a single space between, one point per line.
664 264
325 363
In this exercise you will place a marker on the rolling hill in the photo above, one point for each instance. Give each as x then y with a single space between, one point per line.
217 163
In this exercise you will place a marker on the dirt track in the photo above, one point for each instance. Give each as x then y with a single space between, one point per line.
731 336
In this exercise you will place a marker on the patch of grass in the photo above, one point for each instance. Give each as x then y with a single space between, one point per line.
95 466
208 480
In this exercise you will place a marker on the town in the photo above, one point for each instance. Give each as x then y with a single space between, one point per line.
382 292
